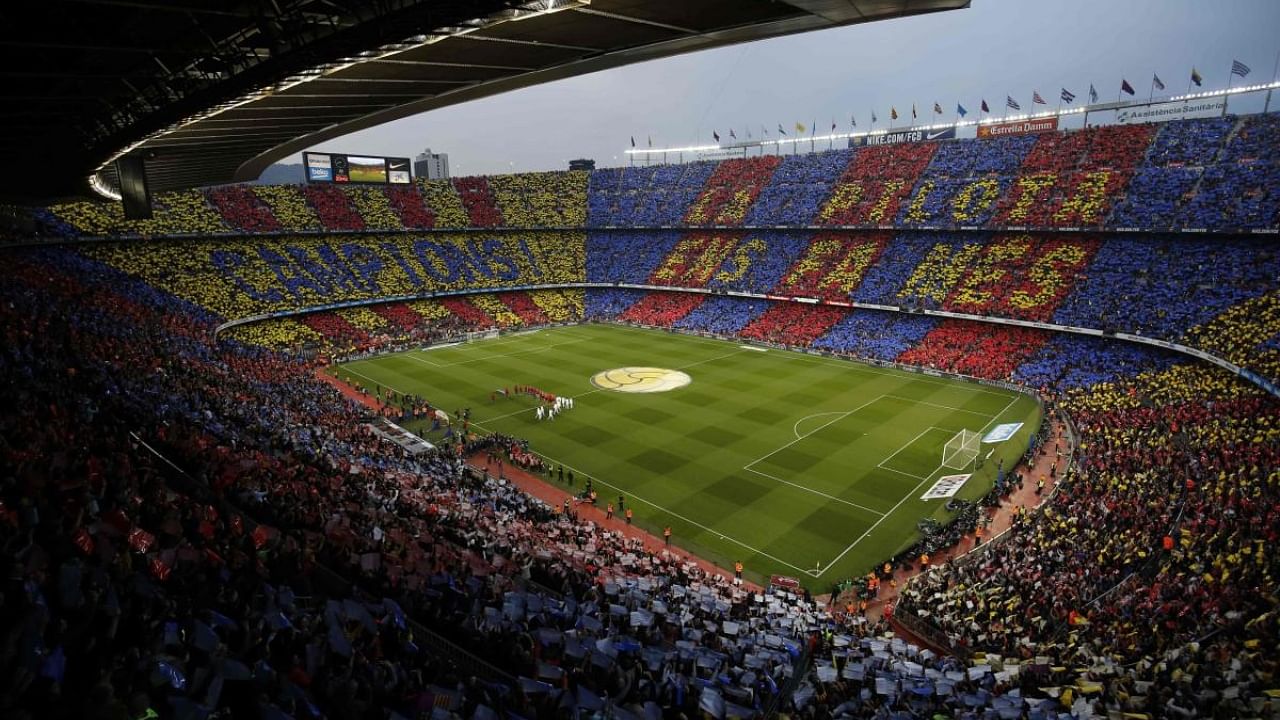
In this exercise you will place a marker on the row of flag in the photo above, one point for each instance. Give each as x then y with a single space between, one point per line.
1066 97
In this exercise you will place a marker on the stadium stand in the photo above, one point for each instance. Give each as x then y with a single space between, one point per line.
194 524
1205 174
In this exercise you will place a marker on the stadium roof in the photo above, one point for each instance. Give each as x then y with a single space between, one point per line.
214 91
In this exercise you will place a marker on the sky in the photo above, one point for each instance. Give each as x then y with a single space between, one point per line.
992 49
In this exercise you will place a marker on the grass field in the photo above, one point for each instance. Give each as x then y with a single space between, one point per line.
792 463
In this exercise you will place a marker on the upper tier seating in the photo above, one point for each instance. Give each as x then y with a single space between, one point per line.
1215 174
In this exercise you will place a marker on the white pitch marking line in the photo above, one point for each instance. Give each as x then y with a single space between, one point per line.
795 429
938 405
510 354
423 360
372 380
823 425
711 359
672 513
873 511
596 390
892 510
908 444
858 364
905 497
901 472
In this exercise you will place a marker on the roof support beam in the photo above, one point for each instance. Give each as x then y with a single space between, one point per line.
636 20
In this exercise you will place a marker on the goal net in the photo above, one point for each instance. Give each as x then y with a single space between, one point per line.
481 335
961 450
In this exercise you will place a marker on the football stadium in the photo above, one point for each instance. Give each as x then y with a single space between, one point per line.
926 413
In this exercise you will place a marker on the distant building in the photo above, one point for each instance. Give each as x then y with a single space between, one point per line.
432 166
582 164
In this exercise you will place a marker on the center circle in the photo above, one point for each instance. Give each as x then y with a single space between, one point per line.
640 379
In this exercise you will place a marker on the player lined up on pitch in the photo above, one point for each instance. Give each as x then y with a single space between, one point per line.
557 406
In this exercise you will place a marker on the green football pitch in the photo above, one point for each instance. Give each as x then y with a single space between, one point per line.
795 464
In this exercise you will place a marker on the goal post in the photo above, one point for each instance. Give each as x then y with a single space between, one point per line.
961 450
481 335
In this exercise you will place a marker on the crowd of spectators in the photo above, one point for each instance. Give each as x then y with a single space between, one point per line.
1072 178
230 588
1149 566
832 265
1144 587
477 199
963 181
238 278
731 189
875 184
646 196
661 309
374 207
875 335
542 199
1212 173
236 599
789 323
243 210
722 315
290 207
1174 164
977 350
797 188
1240 189
1166 287
609 304
412 208
335 208
1247 334
1162 286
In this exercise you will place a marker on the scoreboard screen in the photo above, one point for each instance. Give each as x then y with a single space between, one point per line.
357 169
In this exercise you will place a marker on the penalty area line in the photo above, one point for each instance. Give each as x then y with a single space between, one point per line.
828 496
905 497
661 508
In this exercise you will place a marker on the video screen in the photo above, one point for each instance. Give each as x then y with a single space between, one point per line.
367 169
362 169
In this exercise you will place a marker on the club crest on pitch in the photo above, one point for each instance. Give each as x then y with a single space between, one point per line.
640 379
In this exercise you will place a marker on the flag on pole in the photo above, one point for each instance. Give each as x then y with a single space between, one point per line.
960 110
893 113
1195 77
937 109
913 111
1239 68
735 137
780 130
764 131
748 132
650 141
799 127
1155 81
1125 87
833 124
1010 102
633 141
1035 98
1093 94
853 121
1068 97
873 117
985 108
813 127
715 135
